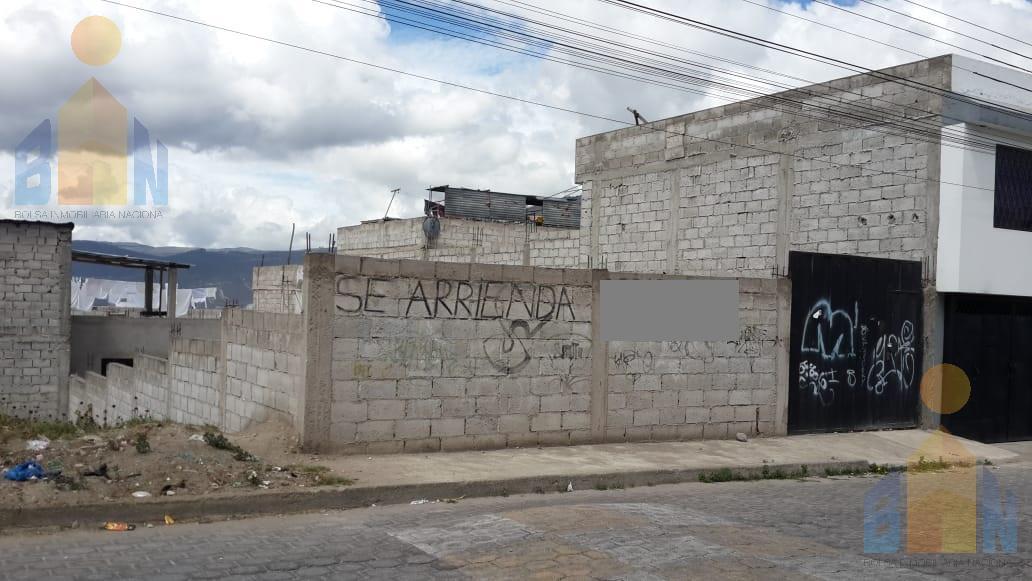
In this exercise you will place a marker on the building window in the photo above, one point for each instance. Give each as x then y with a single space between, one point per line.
1012 205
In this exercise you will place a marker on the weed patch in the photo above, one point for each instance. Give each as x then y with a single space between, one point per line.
221 442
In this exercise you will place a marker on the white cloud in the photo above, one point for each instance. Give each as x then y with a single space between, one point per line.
262 135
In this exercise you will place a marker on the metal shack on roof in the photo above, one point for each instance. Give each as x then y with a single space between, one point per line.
502 207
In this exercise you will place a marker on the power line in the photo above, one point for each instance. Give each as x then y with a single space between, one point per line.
647 127
946 132
912 128
922 55
950 30
968 22
925 36
835 28
817 57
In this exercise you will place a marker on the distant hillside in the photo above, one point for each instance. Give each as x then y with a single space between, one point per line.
229 269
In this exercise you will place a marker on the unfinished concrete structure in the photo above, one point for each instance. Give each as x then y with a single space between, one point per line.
419 356
35 274
899 206
475 226
248 371
277 289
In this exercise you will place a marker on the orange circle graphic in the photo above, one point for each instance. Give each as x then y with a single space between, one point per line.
945 388
96 40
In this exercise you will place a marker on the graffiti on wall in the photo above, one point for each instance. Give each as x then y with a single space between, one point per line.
455 299
840 351
511 350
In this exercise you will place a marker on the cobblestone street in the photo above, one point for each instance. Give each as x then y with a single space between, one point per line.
743 530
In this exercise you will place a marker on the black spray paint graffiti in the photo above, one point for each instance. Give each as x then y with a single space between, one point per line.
506 351
836 346
751 341
456 299
635 363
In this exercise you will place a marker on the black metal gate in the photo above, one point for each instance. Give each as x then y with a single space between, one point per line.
990 338
855 350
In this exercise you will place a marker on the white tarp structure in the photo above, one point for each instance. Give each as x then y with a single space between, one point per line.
128 294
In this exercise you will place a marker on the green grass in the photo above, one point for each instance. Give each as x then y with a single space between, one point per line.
24 429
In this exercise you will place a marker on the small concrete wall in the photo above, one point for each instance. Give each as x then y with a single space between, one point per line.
250 371
277 289
463 240
421 356
35 287
264 370
95 338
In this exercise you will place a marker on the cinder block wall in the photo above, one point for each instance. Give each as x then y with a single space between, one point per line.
663 390
35 284
657 198
277 289
462 240
421 356
250 373
264 371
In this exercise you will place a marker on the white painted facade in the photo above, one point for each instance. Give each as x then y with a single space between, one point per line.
973 256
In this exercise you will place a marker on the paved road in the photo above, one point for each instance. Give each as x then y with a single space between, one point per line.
756 530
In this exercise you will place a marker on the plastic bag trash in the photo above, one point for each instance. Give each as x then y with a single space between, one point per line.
141 494
420 501
196 438
569 487
741 437
38 444
30 470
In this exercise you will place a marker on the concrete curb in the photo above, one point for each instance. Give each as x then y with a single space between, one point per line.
224 507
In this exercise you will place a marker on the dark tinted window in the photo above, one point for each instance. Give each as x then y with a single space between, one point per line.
1012 208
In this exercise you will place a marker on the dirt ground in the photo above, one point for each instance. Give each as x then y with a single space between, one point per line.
105 465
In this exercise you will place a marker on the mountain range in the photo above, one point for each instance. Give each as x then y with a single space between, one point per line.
228 269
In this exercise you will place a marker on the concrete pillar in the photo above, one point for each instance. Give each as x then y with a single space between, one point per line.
781 358
786 190
148 290
673 221
599 406
315 400
172 288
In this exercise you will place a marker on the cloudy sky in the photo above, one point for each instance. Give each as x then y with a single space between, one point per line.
261 135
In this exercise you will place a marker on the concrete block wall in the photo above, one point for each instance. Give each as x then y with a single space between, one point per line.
152 386
264 366
406 356
277 289
193 366
35 284
693 389
768 179
463 240
449 356
88 396
251 371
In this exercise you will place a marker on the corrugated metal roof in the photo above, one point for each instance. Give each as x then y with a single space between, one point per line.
488 205
562 213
